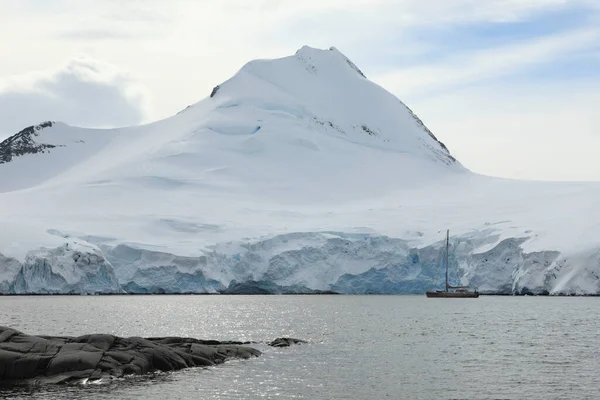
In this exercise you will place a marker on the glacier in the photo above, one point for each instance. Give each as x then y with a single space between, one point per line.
73 268
296 175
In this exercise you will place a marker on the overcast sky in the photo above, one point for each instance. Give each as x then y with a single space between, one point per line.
511 86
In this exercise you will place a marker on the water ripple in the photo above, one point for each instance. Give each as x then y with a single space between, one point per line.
361 347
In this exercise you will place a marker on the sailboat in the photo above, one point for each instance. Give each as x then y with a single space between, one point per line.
459 291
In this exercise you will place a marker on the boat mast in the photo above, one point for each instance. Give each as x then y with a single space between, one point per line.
447 238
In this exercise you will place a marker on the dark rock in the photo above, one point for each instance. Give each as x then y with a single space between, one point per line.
24 143
426 129
369 130
286 342
214 91
26 359
350 63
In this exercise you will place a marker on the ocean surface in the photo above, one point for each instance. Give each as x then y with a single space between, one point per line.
360 347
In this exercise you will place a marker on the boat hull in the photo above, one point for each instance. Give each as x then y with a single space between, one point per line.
453 295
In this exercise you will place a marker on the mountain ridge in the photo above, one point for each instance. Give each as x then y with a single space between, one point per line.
257 95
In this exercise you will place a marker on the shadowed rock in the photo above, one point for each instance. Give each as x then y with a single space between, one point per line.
26 359
24 143
285 342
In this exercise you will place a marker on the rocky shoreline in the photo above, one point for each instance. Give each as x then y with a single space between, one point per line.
34 360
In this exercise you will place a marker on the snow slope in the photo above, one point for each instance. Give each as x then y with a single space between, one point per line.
297 172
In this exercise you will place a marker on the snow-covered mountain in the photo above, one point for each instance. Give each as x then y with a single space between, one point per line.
296 174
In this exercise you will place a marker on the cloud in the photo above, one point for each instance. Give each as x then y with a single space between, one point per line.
85 92
95 34
491 63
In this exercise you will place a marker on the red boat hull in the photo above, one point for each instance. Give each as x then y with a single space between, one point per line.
453 295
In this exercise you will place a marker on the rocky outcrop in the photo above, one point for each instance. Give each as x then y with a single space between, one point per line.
443 155
286 342
24 143
26 359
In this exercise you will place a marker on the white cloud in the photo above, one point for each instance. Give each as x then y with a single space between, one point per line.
182 48
85 92
489 63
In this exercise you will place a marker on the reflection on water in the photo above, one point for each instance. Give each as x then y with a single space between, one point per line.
361 347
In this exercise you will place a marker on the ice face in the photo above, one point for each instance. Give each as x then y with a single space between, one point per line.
308 262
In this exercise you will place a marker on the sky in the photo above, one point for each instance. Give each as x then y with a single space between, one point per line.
512 87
